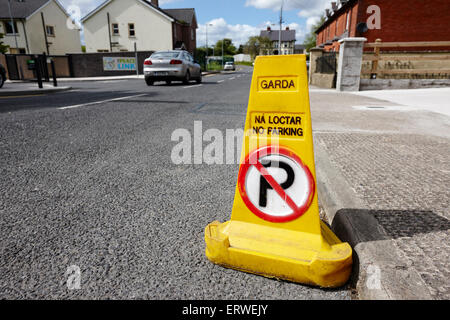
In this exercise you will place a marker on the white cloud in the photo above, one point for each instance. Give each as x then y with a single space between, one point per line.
219 29
311 7
239 33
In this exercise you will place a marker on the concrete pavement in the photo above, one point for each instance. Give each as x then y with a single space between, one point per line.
383 176
29 88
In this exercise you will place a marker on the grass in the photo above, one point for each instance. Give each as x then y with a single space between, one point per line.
245 63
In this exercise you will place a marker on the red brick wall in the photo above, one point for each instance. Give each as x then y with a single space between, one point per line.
406 20
183 33
401 21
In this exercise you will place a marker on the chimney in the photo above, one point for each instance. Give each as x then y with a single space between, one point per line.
334 6
155 3
268 28
287 28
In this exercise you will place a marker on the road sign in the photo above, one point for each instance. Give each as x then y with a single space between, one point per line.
275 229
276 185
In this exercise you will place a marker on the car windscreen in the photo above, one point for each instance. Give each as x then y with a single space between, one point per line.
168 55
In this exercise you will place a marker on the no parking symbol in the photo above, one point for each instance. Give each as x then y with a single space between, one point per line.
275 184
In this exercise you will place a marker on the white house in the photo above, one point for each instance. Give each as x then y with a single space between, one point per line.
117 25
38 26
287 38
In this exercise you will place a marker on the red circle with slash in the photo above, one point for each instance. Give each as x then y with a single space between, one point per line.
253 160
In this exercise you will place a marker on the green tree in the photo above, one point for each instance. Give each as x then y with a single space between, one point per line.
228 48
311 38
255 44
3 47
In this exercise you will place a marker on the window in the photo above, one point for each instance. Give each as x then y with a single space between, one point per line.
131 31
115 29
348 21
50 30
9 27
192 34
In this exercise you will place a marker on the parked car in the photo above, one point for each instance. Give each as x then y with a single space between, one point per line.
2 75
229 65
173 65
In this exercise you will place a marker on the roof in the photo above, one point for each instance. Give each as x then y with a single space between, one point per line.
336 14
145 2
182 15
20 10
273 35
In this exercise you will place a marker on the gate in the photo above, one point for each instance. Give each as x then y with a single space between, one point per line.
11 65
326 63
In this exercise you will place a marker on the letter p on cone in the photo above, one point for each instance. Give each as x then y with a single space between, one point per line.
275 229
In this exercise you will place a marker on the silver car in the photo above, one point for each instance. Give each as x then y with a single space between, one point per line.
173 65
229 65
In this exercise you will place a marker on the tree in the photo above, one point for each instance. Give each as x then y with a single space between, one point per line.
254 45
228 48
3 47
311 39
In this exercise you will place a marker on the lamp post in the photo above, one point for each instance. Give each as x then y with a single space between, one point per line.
207 49
222 51
281 26
12 24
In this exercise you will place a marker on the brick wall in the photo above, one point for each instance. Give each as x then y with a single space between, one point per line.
401 21
91 64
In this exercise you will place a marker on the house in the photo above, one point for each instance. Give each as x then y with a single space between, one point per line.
119 25
38 26
390 21
287 41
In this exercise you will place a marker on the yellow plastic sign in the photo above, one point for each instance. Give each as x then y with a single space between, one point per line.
275 229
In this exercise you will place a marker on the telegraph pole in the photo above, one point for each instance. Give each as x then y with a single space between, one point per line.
281 26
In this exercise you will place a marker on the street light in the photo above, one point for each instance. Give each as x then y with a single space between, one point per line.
281 26
207 49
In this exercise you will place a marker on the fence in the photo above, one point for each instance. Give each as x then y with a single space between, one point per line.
70 65
406 64
17 66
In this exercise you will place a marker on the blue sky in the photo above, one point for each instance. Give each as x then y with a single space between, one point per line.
235 19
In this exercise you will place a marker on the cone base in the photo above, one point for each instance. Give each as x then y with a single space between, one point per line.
313 259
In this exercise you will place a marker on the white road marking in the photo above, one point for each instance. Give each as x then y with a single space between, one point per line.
197 85
98 102
232 78
220 81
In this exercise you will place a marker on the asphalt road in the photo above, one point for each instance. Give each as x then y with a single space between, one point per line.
88 181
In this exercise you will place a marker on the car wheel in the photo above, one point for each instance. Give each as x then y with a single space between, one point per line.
149 82
2 80
199 79
187 78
